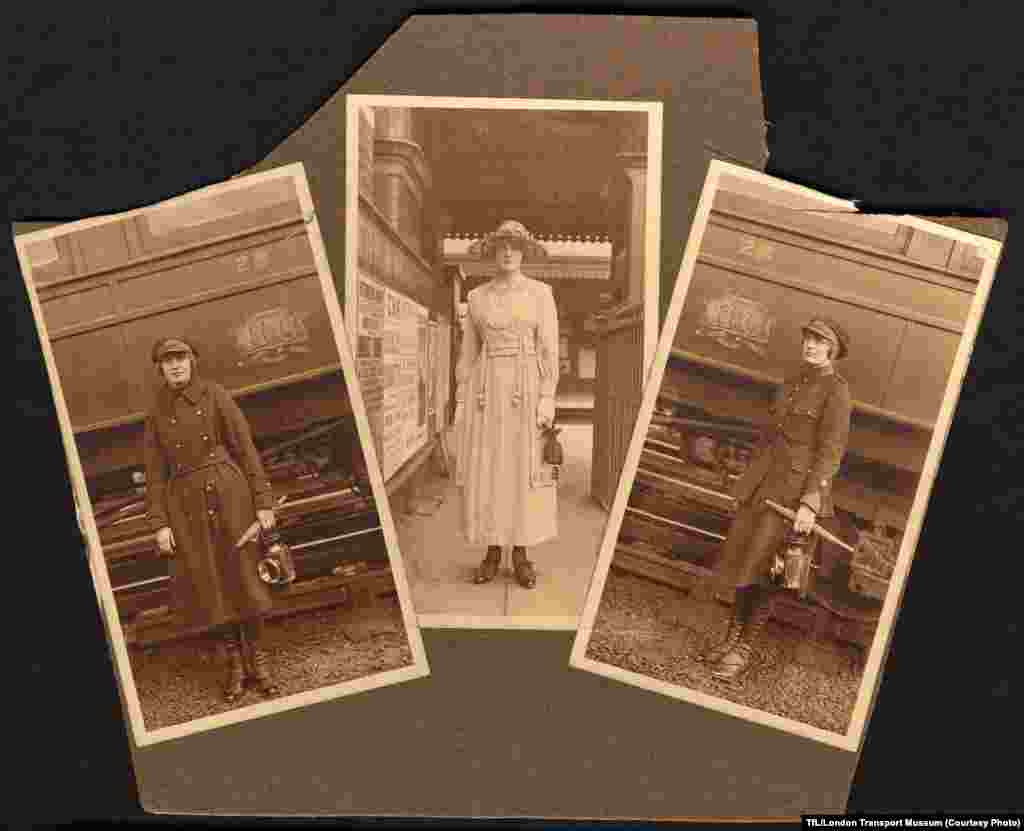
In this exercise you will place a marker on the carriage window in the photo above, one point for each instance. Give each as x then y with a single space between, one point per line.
185 221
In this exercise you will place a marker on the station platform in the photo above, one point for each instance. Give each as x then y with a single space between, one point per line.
440 565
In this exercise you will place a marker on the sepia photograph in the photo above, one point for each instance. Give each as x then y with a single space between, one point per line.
501 298
241 545
777 480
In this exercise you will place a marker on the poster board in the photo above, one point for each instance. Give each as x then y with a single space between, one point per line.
392 362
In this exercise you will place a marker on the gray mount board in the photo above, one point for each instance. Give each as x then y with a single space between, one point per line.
503 726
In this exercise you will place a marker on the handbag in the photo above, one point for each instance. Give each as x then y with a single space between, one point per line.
276 567
551 450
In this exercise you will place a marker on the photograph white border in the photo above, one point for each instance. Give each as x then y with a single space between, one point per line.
652 260
418 669
990 250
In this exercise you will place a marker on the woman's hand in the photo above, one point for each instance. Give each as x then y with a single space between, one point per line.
165 540
266 518
546 412
804 521
458 413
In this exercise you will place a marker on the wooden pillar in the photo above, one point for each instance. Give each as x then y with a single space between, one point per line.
632 157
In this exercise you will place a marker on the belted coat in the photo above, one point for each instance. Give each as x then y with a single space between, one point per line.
205 480
797 458
508 362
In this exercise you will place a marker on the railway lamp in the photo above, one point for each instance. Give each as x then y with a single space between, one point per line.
791 566
276 568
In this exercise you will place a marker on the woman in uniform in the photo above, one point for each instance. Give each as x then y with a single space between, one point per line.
798 456
205 489
506 378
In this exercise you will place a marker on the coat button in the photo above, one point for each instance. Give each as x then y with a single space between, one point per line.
210 512
174 421
199 412
206 438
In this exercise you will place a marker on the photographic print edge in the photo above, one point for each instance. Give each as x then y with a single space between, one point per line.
83 503
652 264
853 738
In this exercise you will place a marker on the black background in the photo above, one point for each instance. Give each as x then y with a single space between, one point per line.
908 107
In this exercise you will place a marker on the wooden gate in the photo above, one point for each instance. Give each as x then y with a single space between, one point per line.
618 394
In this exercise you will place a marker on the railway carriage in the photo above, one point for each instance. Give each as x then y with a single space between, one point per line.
235 274
762 271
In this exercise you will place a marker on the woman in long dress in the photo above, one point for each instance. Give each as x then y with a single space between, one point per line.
205 490
506 378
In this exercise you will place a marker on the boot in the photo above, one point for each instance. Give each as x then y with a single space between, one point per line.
712 653
259 662
233 688
734 665
488 568
523 568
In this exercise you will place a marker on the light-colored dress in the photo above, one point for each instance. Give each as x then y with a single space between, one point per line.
508 362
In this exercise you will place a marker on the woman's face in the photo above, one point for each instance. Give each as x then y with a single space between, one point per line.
817 350
176 368
508 255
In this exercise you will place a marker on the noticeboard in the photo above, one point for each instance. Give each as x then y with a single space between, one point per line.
392 344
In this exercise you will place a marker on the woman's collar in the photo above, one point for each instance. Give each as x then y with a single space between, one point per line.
516 279
191 392
823 369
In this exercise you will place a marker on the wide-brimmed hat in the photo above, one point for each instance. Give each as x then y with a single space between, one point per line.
512 230
832 331
168 346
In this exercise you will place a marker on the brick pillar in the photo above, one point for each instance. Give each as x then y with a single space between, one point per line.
402 180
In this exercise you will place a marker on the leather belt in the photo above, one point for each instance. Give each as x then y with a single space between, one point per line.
219 455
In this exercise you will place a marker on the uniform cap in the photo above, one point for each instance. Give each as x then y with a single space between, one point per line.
168 346
832 331
513 230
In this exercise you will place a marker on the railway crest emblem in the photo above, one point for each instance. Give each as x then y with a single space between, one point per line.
736 322
271 336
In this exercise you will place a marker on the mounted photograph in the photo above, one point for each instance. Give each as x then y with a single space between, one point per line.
775 486
225 481
501 297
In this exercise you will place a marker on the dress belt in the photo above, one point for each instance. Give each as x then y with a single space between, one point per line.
521 350
217 456
510 351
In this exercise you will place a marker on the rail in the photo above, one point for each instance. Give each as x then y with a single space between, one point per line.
299 547
692 529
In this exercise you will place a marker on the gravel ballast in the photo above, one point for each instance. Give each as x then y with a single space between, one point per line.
181 681
648 628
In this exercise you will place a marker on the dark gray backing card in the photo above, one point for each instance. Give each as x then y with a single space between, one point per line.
503 726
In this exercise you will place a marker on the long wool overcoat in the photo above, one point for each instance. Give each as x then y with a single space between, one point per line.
205 480
508 362
799 454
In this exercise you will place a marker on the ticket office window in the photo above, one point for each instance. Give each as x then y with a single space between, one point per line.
565 368
577 357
